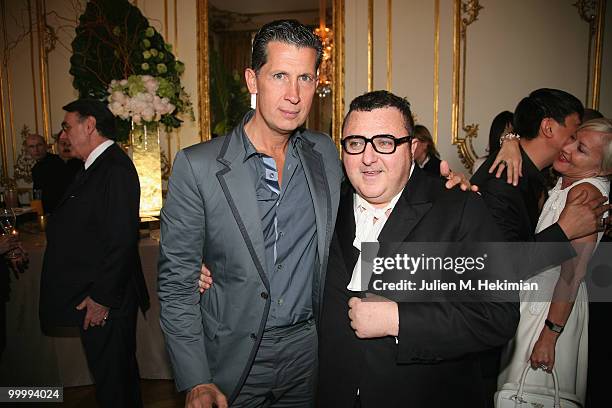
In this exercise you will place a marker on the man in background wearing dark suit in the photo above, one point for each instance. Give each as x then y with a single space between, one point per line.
72 165
48 173
388 354
91 274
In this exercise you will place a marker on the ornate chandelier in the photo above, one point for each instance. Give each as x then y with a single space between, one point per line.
325 69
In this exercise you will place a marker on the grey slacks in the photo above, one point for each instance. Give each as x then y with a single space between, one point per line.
283 374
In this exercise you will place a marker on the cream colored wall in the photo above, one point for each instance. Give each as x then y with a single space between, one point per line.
512 48
185 46
605 103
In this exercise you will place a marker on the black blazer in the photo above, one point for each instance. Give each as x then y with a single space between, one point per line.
435 363
92 243
50 176
516 212
432 166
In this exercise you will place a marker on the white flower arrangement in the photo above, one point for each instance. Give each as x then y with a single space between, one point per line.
141 98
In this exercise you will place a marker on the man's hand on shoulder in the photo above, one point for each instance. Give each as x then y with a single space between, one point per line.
373 317
454 179
205 396
583 212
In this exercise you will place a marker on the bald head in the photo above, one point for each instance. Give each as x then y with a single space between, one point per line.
37 148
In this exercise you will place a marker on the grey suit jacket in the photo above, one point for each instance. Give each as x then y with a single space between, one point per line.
211 216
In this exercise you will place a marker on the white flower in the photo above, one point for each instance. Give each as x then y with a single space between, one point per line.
145 106
147 114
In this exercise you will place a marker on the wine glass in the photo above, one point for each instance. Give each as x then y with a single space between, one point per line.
7 227
7 221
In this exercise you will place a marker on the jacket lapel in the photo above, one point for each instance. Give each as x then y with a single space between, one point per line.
345 228
413 204
83 175
239 192
312 163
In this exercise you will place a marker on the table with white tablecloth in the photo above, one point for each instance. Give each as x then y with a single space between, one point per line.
32 358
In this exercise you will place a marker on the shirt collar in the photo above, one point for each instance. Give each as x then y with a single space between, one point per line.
250 151
95 153
424 162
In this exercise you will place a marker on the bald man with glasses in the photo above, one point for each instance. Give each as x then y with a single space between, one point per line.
384 353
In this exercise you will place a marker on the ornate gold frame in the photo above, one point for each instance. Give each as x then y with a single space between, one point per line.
203 64
389 45
41 32
338 65
593 12
203 80
436 84
465 13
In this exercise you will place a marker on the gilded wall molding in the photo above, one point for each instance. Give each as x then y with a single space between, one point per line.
165 19
593 13
203 78
599 33
41 32
465 13
370 45
176 36
389 45
3 133
436 96
33 68
338 67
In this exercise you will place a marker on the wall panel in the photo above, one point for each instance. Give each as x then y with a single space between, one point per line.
511 48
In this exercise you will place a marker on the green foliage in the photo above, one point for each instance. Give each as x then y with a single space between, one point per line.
229 98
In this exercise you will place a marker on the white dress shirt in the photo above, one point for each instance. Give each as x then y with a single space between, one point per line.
95 153
369 221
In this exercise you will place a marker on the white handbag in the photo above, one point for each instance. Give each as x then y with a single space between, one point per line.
508 398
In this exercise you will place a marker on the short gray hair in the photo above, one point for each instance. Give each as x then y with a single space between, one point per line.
602 125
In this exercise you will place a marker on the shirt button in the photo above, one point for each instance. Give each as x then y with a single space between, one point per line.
253 336
280 301
279 266
264 295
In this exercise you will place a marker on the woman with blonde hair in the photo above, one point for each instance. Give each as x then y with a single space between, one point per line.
553 332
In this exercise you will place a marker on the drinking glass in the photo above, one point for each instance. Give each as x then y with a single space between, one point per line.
7 227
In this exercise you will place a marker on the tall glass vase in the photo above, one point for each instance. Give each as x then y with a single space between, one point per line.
146 156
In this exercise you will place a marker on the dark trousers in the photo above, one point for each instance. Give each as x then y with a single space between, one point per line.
111 357
600 352
490 362
283 373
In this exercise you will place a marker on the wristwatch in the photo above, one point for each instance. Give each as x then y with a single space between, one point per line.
554 327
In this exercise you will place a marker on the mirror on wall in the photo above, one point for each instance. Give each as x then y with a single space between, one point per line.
232 25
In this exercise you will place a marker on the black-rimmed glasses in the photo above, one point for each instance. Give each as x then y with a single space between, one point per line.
384 144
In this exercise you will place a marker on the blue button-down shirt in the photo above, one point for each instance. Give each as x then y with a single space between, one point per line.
290 235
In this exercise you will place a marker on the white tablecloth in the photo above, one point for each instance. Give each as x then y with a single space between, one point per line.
32 358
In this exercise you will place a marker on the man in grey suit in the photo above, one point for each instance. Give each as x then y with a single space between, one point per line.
258 207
